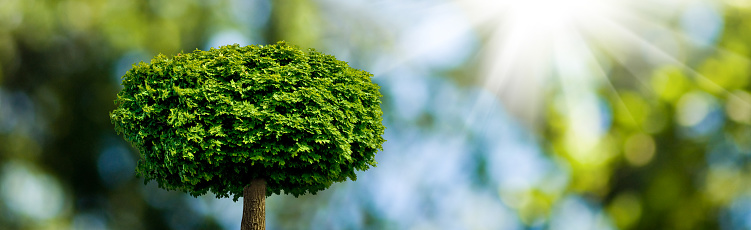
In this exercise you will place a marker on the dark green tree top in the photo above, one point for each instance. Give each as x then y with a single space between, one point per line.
213 120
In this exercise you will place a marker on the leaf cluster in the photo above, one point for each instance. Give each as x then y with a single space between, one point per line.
214 120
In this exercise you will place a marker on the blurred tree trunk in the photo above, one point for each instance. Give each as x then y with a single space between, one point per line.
254 205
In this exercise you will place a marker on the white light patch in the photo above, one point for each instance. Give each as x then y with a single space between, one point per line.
693 108
574 213
410 94
585 121
516 167
551 16
441 40
702 22
30 193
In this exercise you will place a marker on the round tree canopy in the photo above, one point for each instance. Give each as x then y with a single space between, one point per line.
214 120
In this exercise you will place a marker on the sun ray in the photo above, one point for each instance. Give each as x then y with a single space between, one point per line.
659 53
501 70
519 53
518 57
619 100
502 55
618 56
577 71
693 43
589 54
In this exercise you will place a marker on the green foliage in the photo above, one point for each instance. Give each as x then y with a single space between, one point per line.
213 120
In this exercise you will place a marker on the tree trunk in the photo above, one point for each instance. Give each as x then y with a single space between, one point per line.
254 205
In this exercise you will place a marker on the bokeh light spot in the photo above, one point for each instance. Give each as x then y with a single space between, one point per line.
639 149
574 213
738 107
625 209
30 193
700 113
693 108
723 184
669 83
702 22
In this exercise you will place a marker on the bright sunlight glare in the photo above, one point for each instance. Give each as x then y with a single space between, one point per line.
524 36
564 50
522 60
552 16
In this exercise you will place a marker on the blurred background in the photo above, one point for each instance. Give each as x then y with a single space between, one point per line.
500 114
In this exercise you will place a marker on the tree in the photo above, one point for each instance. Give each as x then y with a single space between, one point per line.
249 121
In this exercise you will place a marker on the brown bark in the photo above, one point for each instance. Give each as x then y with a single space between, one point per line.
254 205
